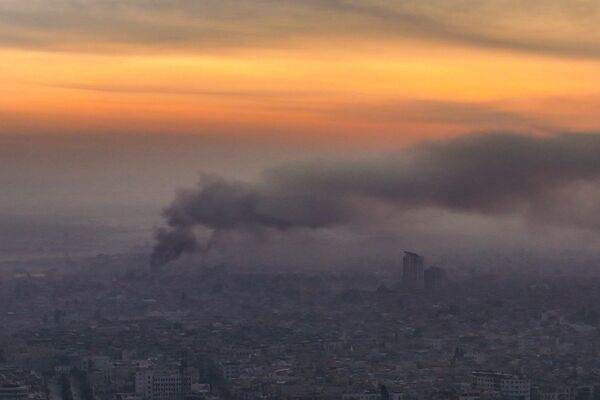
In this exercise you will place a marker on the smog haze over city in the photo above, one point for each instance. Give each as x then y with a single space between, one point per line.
299 200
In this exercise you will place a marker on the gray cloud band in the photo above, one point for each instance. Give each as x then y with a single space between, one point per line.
185 25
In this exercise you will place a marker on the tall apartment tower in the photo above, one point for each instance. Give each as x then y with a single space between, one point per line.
413 271
435 278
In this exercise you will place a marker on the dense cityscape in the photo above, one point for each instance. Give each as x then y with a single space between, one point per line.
107 328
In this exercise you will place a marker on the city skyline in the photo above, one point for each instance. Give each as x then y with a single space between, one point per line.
299 200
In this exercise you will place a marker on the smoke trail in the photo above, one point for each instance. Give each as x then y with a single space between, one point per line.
491 174
170 244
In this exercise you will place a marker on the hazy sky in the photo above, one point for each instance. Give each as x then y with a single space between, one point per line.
108 106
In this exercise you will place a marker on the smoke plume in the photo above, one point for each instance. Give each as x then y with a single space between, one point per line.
487 174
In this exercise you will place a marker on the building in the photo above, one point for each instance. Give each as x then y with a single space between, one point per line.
231 370
412 270
13 392
366 395
100 363
434 278
165 384
470 395
509 386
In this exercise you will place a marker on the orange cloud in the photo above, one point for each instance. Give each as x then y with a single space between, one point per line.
386 93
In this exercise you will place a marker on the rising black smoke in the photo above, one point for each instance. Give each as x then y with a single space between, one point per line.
489 174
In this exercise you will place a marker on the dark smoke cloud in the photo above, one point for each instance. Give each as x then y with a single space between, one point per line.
172 243
486 174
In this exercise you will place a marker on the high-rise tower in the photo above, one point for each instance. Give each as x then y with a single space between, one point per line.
412 270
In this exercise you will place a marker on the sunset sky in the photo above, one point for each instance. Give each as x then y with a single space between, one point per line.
433 124
356 71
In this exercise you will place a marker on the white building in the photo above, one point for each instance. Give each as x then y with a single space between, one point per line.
513 387
165 384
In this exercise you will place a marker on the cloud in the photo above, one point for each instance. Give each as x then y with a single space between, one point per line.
477 116
553 27
492 174
152 89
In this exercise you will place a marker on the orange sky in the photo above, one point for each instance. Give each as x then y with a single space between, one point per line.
421 77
